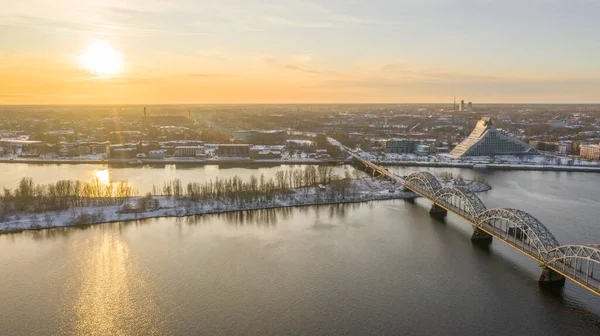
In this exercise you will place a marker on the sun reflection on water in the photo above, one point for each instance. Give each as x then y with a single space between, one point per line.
112 296
103 176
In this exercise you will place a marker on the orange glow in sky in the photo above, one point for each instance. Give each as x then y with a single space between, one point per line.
297 51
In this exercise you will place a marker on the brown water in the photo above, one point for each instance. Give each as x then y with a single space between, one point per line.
372 268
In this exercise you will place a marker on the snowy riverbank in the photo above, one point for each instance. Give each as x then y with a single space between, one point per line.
137 208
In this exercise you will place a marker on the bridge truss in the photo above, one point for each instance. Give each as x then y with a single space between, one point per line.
516 228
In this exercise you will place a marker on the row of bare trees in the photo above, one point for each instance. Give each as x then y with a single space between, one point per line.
67 194
235 188
62 195
256 193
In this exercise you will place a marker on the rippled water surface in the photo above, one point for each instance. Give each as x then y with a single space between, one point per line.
371 268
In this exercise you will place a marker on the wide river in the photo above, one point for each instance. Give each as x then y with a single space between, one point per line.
363 269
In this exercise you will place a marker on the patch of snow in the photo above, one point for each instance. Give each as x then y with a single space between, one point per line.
359 190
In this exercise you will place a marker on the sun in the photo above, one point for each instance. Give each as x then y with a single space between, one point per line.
102 59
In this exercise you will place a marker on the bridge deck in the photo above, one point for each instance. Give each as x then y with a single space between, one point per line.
578 276
521 242
377 168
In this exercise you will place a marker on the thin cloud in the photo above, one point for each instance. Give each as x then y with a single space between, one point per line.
182 17
299 23
410 71
118 18
126 80
211 75
301 68
475 86
295 64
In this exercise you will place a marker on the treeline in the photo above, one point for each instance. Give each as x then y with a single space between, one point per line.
68 194
235 188
62 195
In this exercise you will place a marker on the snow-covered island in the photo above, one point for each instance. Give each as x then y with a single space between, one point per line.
176 200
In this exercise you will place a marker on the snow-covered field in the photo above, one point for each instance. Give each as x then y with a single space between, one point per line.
137 208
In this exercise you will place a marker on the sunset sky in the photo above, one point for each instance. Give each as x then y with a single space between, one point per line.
300 51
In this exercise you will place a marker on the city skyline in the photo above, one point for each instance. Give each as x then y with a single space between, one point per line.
299 52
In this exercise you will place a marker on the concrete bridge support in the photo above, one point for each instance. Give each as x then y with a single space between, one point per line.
481 237
410 200
551 279
437 211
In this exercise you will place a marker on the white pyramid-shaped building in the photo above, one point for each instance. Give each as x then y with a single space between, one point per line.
486 140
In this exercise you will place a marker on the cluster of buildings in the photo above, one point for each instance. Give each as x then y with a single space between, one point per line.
193 149
408 146
585 150
257 145
464 108
484 140
34 148
297 131
487 140
20 147
129 144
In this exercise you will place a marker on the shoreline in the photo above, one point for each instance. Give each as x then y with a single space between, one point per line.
274 162
210 212
142 207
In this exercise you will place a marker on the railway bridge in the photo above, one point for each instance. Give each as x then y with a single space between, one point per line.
516 228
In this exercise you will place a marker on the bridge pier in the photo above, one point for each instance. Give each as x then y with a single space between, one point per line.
550 279
437 211
481 237
410 200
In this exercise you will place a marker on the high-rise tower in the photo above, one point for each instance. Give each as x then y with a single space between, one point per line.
454 105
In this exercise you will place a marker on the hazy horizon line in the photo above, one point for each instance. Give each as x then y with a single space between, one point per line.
312 103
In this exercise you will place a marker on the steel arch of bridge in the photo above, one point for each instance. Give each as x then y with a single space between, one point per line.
472 204
522 227
529 234
533 233
426 181
579 262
